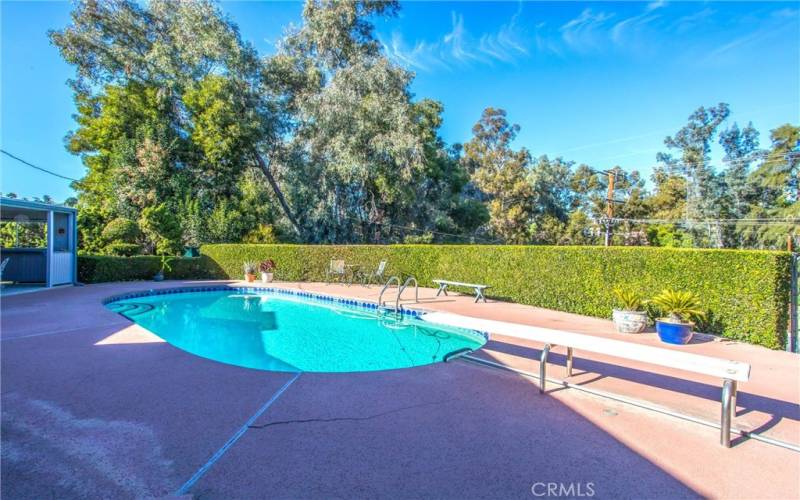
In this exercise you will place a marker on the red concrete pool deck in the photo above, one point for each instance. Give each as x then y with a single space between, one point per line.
95 406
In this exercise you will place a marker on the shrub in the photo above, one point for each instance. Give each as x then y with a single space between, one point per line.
104 268
745 293
121 249
161 226
264 233
121 230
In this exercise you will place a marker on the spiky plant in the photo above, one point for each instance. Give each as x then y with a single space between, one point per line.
628 299
250 267
679 306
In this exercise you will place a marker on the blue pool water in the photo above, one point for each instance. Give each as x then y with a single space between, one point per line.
271 331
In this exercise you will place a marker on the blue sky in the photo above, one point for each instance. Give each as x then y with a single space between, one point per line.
598 82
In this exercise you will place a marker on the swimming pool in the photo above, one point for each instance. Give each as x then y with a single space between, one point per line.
284 330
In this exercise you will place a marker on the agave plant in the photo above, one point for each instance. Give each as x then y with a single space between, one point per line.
628 299
250 267
679 306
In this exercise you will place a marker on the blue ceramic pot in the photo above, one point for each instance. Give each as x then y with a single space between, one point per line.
674 333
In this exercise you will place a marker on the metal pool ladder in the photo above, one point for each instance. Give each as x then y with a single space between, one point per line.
400 290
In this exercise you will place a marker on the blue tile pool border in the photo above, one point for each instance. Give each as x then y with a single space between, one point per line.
258 290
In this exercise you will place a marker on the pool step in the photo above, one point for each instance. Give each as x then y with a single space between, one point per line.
129 309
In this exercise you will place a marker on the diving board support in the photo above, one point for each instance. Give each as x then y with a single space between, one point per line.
728 407
569 361
543 368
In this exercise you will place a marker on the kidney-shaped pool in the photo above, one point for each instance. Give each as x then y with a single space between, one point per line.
285 330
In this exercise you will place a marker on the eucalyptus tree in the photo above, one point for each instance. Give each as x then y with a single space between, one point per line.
776 191
501 174
358 141
692 144
741 150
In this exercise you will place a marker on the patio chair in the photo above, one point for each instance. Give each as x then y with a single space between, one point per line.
377 274
336 268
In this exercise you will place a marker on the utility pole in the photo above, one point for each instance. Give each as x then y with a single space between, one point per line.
609 205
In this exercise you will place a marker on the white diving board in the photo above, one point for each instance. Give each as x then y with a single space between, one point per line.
731 372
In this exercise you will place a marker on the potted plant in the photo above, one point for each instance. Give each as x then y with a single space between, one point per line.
680 307
250 271
164 266
267 267
631 318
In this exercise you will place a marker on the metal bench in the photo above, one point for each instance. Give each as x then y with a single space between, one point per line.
731 372
443 284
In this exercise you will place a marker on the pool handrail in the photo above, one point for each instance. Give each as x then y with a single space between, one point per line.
400 292
389 282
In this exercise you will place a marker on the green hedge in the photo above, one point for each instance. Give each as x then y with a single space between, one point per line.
103 268
745 292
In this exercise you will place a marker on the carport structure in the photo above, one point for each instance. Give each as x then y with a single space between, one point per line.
47 261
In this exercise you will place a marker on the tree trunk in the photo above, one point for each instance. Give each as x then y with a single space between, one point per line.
278 193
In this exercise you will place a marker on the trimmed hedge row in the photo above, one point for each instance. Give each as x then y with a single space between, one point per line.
745 292
103 268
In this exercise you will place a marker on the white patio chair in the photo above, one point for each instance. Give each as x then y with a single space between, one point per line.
377 275
336 268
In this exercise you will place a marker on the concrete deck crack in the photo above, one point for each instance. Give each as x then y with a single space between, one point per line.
349 419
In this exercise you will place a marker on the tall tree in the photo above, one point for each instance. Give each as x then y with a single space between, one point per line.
358 142
501 174
172 47
692 145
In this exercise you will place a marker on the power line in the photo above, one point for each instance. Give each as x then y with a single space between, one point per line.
746 222
36 167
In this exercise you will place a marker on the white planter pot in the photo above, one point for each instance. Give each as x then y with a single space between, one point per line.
629 321
266 277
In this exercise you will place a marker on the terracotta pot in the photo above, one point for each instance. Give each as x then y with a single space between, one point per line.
629 321
250 277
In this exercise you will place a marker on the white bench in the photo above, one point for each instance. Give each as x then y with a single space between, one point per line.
443 284
731 372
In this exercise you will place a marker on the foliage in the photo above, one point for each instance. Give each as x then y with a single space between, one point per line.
165 263
264 234
501 174
161 227
325 142
267 266
746 293
250 267
628 299
28 234
419 239
121 230
105 268
122 249
681 306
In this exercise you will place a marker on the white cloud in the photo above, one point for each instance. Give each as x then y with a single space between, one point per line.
657 4
586 31
686 23
459 48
